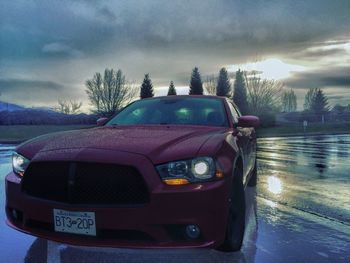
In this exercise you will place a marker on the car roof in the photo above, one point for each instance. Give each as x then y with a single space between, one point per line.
188 96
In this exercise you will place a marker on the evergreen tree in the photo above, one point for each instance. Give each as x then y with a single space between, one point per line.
240 92
171 90
319 104
224 87
289 101
196 86
146 88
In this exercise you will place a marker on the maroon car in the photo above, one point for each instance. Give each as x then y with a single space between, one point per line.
164 172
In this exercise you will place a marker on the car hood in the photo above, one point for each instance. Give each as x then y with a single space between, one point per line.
158 143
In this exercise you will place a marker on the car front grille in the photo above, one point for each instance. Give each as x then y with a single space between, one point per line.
85 183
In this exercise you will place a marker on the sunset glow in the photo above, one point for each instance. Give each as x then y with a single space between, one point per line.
271 68
303 44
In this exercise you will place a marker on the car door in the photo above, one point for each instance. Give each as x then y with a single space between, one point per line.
251 145
243 140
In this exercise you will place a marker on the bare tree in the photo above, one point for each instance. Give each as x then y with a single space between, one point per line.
309 98
62 107
289 101
95 91
69 107
110 93
210 84
75 106
263 95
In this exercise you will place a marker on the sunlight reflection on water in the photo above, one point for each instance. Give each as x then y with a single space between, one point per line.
309 173
274 185
270 203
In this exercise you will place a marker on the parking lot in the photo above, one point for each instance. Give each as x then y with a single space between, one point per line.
299 212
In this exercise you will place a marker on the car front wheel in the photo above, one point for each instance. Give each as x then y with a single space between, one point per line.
254 176
236 216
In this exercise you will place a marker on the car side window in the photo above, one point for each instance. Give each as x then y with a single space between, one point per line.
235 114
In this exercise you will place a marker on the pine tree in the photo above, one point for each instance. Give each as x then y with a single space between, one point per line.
319 104
146 88
223 87
240 92
196 86
171 90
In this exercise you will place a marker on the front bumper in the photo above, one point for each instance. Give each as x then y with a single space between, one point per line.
158 224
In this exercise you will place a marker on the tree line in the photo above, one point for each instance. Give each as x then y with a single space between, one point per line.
109 92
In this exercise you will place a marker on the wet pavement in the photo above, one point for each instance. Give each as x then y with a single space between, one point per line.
299 212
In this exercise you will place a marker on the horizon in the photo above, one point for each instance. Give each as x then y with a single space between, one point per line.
48 51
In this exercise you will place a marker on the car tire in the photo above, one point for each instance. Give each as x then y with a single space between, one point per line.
236 216
254 176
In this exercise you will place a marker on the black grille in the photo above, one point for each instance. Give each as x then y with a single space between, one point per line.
85 183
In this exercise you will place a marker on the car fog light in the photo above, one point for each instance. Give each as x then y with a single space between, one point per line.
193 231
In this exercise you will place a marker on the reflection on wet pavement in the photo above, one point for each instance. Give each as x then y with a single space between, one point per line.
274 185
307 173
299 212
5 152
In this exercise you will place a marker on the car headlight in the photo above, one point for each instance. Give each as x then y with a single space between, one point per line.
188 171
19 164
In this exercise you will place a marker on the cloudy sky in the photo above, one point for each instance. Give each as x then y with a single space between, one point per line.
48 49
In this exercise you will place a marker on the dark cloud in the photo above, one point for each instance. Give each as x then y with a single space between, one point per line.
327 77
31 92
200 25
338 81
107 14
61 49
335 97
22 85
70 40
333 42
321 53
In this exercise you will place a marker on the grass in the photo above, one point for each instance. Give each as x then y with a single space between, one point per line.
20 133
297 130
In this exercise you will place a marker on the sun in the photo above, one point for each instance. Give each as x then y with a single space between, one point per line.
271 68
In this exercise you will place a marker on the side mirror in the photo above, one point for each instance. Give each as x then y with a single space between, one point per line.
248 121
101 121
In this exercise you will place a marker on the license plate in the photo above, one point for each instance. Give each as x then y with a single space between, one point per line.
74 222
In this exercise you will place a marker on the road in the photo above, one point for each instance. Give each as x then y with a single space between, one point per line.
299 212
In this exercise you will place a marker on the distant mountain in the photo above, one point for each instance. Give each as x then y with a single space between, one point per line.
48 109
4 106
12 114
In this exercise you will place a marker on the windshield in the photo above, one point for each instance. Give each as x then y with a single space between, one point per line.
178 111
